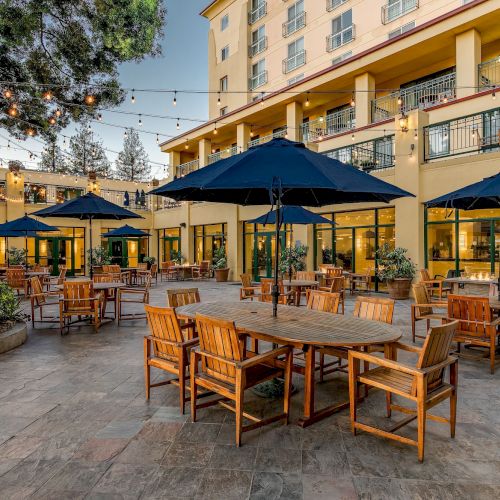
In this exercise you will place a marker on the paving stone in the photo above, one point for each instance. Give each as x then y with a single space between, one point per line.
227 484
185 454
274 486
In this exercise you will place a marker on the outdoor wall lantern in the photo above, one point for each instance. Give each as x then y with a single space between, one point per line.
403 123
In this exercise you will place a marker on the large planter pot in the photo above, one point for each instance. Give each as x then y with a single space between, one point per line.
221 275
12 335
399 288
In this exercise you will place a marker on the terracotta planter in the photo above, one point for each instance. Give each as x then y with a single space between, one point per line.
221 275
399 288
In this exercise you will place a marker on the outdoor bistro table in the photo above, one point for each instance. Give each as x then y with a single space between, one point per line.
298 286
303 329
489 283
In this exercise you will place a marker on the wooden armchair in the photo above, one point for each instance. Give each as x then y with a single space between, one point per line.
178 297
285 298
167 270
332 272
109 295
336 286
476 325
361 282
142 266
423 309
166 349
79 299
135 295
434 285
49 281
40 299
247 290
422 384
117 273
202 271
225 371
16 279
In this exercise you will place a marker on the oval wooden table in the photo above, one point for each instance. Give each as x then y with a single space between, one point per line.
298 286
303 329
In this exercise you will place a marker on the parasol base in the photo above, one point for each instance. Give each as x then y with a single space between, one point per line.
272 389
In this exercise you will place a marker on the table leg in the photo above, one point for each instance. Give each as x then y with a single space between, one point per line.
298 295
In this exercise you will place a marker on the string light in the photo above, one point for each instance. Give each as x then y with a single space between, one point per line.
140 120
400 101
353 101
157 139
352 137
174 102
218 100
307 100
125 134
186 146
177 125
416 135
493 96
64 142
7 93
99 117
12 111
58 112
30 132
47 95
215 129
89 99
133 97
52 120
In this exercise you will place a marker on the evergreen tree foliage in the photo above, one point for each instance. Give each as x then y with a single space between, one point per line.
132 163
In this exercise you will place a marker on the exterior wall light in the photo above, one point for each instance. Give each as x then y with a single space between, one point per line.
403 123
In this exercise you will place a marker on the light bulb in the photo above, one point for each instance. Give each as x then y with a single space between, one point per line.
58 112
7 93
174 102
47 95
89 99
157 139
353 102
140 121
218 100
99 117
177 125
133 97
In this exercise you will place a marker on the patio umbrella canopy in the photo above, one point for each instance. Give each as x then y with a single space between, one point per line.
292 215
280 172
88 207
126 231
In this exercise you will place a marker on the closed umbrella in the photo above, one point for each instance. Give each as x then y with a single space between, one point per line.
126 199
88 207
137 198
280 172
143 198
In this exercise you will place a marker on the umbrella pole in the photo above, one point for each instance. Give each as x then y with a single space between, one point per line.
26 250
91 270
275 291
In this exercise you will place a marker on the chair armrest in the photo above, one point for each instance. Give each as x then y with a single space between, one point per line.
250 288
190 343
406 347
431 282
150 338
132 290
448 361
259 358
386 363
93 299
433 304
205 354
495 322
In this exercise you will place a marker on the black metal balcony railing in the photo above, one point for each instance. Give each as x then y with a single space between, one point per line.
478 133
267 138
394 10
257 47
186 168
334 123
489 73
295 24
367 156
293 62
336 40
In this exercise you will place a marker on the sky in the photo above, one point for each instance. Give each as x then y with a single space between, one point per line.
182 65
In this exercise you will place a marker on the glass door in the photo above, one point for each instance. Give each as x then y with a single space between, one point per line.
55 252
117 250
264 248
171 245
343 249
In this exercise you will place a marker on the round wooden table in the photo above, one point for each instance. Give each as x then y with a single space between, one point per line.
303 329
298 286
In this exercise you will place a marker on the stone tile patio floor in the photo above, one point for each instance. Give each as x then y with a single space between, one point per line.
74 423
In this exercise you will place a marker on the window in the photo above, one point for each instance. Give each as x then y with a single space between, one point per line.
342 31
223 84
333 4
397 8
403 29
342 57
224 53
258 9
224 22
259 74
35 193
296 79
296 18
223 111
259 41
296 55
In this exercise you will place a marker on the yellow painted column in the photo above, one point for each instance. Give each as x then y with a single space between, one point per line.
187 235
468 57
242 136
14 180
409 211
204 149
294 116
234 244
175 161
365 91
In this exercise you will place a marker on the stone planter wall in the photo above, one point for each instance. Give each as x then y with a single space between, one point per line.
13 337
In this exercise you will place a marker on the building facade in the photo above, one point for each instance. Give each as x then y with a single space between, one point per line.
402 89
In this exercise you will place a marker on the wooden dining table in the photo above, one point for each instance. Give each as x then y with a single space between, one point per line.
303 329
299 286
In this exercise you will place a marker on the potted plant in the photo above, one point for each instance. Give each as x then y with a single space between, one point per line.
13 331
293 259
100 257
396 269
219 264
16 256
176 257
149 261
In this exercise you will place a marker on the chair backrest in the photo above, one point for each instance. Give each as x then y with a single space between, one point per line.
16 266
337 284
15 277
424 275
472 311
219 337
75 293
435 350
177 297
266 287
164 325
62 275
37 267
374 308
246 280
154 269
306 275
332 272
166 264
204 265
324 267
421 295
111 268
103 278
142 265
37 290
323 301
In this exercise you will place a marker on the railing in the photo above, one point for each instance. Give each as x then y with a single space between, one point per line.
333 4
187 168
392 11
294 62
257 13
3 192
167 203
334 123
479 133
258 46
295 24
367 156
220 155
421 96
258 80
489 73
267 138
336 40
134 203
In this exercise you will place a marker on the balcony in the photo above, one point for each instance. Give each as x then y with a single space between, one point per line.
367 156
489 74
257 13
333 4
258 80
334 123
397 9
336 40
267 138
295 24
167 203
257 47
186 168
421 96
294 62
118 197
220 155
473 134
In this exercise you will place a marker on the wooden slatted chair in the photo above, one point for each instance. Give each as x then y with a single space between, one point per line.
332 272
476 324
435 285
40 299
178 297
371 308
143 266
79 299
323 301
247 290
202 271
361 282
49 281
117 273
423 309
422 384
110 295
337 285
16 279
135 295
266 287
225 371
305 275
167 349
167 270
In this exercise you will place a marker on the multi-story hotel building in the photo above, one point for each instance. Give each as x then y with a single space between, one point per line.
403 89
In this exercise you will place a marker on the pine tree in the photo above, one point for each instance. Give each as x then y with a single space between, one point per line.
53 159
87 154
132 163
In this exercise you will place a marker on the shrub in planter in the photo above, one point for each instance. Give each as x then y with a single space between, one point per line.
176 257
219 264
293 259
16 256
100 256
396 269
149 261
10 309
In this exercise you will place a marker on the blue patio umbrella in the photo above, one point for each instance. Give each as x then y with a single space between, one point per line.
280 172
125 231
143 198
88 207
292 214
137 198
126 199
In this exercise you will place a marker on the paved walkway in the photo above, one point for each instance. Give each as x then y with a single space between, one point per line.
74 424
